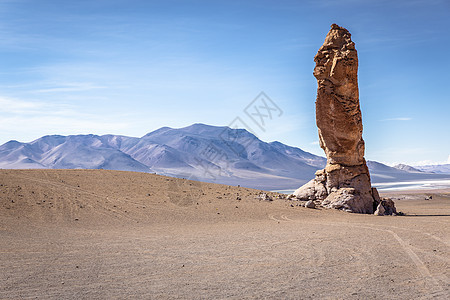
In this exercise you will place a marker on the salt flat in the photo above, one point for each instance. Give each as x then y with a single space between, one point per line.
414 185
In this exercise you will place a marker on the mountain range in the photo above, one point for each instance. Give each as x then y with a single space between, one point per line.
440 169
199 152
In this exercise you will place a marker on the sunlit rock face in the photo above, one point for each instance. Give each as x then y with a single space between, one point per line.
338 115
345 182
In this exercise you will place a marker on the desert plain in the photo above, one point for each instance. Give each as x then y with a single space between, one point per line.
98 234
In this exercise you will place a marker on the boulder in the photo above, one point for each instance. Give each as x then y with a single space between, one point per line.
380 210
386 207
389 206
349 199
306 192
310 204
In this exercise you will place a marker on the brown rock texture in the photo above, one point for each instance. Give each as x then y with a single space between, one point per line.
345 181
338 115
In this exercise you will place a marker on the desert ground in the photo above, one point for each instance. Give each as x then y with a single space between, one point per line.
97 234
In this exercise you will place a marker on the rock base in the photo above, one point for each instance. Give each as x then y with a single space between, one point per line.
345 188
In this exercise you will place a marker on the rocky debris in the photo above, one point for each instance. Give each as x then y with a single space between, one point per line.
310 204
290 197
428 197
345 182
265 197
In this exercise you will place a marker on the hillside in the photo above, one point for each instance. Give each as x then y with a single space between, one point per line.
199 152
438 169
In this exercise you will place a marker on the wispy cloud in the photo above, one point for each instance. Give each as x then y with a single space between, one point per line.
15 106
71 87
27 107
398 119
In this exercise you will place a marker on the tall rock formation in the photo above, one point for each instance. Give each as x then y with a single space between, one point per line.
345 181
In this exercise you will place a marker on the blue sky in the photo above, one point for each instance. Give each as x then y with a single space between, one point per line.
130 67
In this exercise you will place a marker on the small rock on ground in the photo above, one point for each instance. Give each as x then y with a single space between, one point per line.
310 204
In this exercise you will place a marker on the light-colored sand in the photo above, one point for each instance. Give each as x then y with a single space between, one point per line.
87 234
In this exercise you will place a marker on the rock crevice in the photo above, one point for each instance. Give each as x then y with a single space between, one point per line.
345 182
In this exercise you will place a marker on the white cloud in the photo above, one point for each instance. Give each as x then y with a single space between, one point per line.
10 105
14 106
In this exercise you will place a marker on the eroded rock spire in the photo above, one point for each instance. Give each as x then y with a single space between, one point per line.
345 181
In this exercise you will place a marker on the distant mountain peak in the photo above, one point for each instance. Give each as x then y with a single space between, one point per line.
159 130
406 168
202 152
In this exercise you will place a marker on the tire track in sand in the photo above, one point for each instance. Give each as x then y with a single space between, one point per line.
278 217
438 290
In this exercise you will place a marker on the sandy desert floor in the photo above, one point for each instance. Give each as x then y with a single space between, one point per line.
95 234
